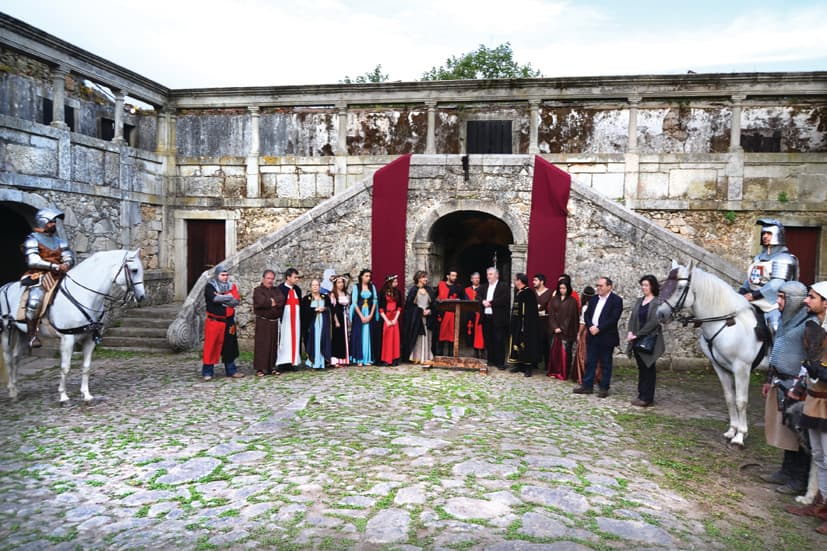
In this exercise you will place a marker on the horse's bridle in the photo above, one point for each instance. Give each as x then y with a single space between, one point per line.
681 301
95 326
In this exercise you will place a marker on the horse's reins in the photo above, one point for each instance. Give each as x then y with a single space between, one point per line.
728 319
95 326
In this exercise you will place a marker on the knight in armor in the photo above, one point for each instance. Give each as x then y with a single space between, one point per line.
770 268
48 258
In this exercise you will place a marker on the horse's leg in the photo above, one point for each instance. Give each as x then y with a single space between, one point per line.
740 372
728 386
67 344
9 344
88 348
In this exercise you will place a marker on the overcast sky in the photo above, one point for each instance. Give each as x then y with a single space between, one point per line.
188 43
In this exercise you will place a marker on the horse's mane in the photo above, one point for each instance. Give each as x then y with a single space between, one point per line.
714 291
96 260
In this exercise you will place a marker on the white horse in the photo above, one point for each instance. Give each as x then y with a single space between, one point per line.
728 339
76 313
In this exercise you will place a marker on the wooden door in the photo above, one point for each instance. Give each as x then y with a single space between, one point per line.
205 247
13 231
803 243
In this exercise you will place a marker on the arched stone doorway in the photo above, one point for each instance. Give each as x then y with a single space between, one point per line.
470 241
16 220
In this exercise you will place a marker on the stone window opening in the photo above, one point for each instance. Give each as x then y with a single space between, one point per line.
489 137
68 114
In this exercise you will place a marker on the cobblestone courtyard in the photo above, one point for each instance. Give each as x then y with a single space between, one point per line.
378 458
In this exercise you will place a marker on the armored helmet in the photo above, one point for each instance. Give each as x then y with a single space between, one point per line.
794 292
44 216
775 228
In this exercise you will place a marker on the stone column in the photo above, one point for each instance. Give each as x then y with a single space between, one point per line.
735 128
631 144
422 251
519 258
735 163
631 159
430 139
341 149
161 131
533 123
253 188
119 101
58 96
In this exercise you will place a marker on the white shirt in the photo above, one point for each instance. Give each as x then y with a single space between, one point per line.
598 309
489 296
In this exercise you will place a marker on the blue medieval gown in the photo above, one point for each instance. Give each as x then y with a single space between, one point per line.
360 336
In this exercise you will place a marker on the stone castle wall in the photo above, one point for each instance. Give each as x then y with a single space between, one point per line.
604 238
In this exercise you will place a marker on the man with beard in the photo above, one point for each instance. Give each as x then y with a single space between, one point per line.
268 306
448 290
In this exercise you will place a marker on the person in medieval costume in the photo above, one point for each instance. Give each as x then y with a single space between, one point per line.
390 310
290 332
525 346
785 364
364 310
48 258
340 302
448 290
316 316
419 321
220 331
268 307
473 321
770 268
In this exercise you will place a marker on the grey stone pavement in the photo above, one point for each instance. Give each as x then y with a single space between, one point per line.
353 458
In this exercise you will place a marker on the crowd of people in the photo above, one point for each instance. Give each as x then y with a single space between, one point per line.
351 323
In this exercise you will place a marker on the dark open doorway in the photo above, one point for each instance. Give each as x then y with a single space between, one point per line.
469 241
205 247
15 225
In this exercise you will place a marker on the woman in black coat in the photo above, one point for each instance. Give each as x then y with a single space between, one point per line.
645 339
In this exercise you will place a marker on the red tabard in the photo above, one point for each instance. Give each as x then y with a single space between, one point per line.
474 325
446 326
214 333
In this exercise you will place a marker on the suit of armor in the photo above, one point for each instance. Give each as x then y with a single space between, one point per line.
769 270
45 252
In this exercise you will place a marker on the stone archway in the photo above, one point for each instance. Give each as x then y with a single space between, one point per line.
464 235
17 211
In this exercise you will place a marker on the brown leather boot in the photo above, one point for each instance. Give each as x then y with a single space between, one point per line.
821 512
34 342
810 510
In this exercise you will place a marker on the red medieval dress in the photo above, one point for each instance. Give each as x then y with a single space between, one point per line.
446 324
390 333
474 325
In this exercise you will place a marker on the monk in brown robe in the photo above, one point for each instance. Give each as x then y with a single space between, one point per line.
268 307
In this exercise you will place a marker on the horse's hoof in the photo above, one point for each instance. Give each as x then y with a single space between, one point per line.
94 401
65 403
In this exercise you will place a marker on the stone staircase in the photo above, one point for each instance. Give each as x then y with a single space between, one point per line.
142 329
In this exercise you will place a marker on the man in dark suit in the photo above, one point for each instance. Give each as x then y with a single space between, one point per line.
494 296
601 320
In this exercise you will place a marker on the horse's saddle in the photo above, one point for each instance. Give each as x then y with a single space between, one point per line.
48 282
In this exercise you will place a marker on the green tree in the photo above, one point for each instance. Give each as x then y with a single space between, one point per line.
482 63
374 76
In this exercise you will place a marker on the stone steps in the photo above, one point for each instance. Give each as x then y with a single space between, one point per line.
142 329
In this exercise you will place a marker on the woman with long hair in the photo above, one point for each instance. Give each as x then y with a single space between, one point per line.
390 310
563 323
419 320
340 301
363 311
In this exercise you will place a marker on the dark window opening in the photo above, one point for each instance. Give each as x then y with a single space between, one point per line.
68 114
489 137
107 130
757 143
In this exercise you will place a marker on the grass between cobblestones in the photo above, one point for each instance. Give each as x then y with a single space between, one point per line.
664 468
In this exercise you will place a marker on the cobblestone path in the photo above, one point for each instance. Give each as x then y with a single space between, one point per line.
362 458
